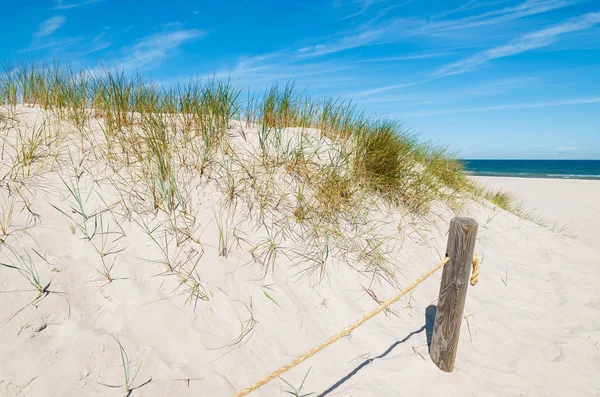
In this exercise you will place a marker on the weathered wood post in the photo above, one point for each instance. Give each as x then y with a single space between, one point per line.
453 292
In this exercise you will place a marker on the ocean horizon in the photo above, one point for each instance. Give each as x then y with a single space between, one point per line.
556 169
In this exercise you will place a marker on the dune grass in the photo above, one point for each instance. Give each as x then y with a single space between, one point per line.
302 169
383 157
507 202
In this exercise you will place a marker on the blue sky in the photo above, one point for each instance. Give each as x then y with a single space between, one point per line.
491 78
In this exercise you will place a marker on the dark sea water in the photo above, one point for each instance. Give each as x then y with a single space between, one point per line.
563 169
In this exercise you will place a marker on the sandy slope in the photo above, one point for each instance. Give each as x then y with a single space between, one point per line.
532 322
569 206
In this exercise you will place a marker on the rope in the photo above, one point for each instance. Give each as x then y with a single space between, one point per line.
343 332
475 273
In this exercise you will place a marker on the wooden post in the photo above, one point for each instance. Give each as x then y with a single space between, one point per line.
453 292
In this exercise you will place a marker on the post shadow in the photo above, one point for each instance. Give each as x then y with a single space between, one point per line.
369 361
430 313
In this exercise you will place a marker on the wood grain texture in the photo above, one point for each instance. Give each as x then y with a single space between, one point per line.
453 292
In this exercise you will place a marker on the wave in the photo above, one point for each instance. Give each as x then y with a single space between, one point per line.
533 175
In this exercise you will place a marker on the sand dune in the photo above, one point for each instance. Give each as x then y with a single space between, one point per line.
531 328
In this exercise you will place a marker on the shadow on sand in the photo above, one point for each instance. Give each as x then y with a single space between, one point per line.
428 328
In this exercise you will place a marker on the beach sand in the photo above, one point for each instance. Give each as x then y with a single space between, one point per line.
531 325
568 206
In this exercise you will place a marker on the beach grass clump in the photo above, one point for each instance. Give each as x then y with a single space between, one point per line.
334 192
384 158
114 97
501 198
498 197
143 122
156 155
281 108
311 169
339 119
507 202
394 163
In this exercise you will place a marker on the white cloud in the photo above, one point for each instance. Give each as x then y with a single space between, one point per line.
292 62
468 6
498 86
568 149
364 7
49 26
156 46
61 6
53 45
502 15
407 57
528 42
70 47
391 31
387 88
362 39
531 105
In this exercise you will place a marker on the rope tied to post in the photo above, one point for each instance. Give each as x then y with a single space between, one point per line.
475 272
346 331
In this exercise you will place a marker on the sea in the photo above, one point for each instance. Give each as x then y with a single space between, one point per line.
561 169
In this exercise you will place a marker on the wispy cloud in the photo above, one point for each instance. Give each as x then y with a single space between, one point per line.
532 105
403 99
468 6
568 149
345 43
61 6
271 68
528 42
525 9
53 44
394 30
498 86
488 88
379 90
365 4
97 43
291 63
70 48
155 47
408 57
49 26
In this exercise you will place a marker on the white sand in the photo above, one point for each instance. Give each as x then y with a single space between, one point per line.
568 206
532 323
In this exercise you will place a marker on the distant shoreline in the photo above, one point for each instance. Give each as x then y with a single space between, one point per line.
536 176
538 169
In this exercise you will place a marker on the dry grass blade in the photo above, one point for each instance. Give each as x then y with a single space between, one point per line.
129 378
